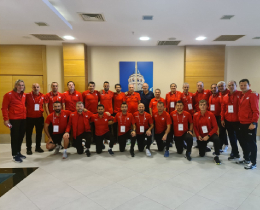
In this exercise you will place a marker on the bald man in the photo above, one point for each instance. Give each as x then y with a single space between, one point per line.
34 118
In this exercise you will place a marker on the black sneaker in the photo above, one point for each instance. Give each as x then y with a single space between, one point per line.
17 159
103 147
208 149
233 157
29 152
110 152
242 162
87 153
21 156
188 156
40 150
132 152
217 161
250 166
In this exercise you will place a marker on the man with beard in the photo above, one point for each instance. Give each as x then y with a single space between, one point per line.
126 128
182 127
102 121
58 120
106 98
144 126
91 98
79 122
118 99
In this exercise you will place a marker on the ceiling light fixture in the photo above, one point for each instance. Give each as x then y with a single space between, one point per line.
144 38
200 38
68 37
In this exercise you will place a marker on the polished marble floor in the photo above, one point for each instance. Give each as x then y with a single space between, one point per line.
122 182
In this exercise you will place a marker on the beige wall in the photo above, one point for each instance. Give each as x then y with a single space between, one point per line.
54 66
241 63
168 64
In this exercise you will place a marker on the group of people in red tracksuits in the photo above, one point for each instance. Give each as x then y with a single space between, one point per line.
80 119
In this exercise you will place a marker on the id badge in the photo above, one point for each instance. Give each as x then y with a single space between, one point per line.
190 106
141 129
36 107
230 109
122 129
56 128
180 127
172 104
204 129
212 107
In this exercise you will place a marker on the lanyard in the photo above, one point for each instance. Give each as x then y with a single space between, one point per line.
122 117
178 117
139 118
56 118
34 100
54 96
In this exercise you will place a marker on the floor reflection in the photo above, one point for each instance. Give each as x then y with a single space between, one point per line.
18 175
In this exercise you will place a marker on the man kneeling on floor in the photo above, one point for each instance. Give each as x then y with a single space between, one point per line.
182 127
102 121
205 128
79 122
59 120
126 128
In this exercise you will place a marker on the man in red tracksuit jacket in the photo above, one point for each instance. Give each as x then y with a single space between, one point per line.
248 117
206 127
14 114
229 118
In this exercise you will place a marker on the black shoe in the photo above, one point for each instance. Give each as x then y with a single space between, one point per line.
233 157
217 161
21 156
29 152
132 152
208 149
103 147
188 156
40 150
87 153
17 159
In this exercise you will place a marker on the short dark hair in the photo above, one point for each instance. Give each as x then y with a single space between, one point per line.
124 103
244 80
100 105
160 102
54 82
106 82
117 85
179 102
213 84
70 82
203 101
91 83
57 102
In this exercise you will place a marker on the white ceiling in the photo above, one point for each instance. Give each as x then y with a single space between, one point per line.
183 19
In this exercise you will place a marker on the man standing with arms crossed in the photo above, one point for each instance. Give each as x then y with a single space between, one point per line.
71 97
14 114
146 96
34 117
248 116
91 98
132 99
153 104
172 97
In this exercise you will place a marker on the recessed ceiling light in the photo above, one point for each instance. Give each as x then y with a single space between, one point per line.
201 38
144 38
69 37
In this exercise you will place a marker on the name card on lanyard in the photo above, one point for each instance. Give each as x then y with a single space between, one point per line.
141 126
230 109
180 125
55 127
190 106
122 127
36 106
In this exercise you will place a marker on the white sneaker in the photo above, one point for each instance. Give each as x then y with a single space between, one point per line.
64 155
225 148
148 153
57 150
